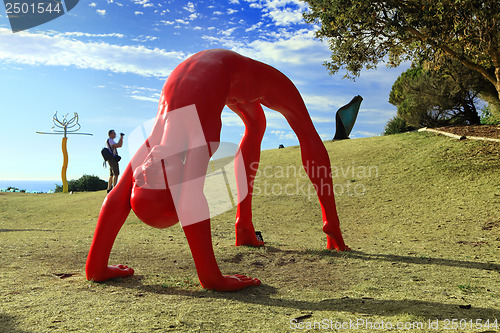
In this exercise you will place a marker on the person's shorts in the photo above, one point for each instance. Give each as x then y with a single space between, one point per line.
114 169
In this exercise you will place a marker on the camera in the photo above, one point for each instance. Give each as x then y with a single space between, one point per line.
122 134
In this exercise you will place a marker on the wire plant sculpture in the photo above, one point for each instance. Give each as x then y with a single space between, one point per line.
65 127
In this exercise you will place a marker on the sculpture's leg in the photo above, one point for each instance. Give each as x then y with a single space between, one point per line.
114 212
193 212
315 158
255 126
316 162
200 242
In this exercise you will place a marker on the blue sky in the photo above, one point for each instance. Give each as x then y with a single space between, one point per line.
108 60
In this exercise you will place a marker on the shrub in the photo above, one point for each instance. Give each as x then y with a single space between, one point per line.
85 183
397 125
14 189
487 118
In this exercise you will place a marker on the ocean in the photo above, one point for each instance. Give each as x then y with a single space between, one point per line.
30 185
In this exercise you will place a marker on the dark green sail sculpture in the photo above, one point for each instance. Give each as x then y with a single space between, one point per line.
346 117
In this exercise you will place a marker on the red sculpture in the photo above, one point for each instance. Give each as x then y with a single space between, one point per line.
164 181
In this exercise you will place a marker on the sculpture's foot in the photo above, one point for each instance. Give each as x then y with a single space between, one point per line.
232 283
334 240
247 237
111 272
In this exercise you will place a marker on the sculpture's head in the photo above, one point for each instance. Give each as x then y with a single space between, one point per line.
154 207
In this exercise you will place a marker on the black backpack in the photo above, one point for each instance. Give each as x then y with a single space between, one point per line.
106 154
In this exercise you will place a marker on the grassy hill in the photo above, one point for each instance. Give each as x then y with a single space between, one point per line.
419 211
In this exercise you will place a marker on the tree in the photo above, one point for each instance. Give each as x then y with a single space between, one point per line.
438 97
362 33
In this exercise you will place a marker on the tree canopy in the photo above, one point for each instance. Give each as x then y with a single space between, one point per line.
362 33
429 98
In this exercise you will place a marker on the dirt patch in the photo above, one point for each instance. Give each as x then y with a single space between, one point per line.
484 131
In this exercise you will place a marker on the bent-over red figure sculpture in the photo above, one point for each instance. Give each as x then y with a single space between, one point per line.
163 183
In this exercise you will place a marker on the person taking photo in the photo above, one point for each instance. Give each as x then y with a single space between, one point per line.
114 169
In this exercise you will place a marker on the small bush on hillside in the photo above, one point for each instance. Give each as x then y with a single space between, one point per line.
397 125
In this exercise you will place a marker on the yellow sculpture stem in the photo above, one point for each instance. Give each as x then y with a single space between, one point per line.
65 165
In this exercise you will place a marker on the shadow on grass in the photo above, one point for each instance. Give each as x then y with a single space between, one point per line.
266 295
269 296
372 307
404 259
8 323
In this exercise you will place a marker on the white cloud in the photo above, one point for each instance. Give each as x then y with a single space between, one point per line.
375 116
143 3
92 4
190 7
299 49
228 32
325 103
317 119
275 119
40 49
101 12
143 38
325 136
138 13
254 27
193 16
285 17
284 135
229 118
234 2
145 98
231 11
83 34
142 93
281 12
254 3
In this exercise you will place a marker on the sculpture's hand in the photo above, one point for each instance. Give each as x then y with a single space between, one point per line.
111 272
232 283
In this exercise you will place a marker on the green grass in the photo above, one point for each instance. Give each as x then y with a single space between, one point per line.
423 224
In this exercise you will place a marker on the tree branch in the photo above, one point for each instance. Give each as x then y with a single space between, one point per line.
455 55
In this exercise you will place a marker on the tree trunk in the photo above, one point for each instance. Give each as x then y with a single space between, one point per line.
471 115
